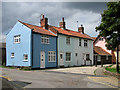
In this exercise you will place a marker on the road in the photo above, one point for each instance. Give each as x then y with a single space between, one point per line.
49 79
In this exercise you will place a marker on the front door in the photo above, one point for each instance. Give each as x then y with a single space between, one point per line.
42 59
83 57
76 59
61 59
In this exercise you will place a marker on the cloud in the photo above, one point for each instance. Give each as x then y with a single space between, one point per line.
86 13
2 38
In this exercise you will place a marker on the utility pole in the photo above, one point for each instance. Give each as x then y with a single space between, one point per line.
117 59
118 42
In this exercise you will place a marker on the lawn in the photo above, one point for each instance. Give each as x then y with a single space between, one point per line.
112 69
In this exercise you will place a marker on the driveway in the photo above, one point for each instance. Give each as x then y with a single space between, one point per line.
51 79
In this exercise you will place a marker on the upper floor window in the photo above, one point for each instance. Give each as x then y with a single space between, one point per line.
12 55
51 56
25 57
100 39
67 40
68 56
79 42
17 39
45 39
85 43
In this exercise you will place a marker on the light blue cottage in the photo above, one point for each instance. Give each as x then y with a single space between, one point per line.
30 45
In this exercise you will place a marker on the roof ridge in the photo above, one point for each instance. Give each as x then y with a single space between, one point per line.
28 23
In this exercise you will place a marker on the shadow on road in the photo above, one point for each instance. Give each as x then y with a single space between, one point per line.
13 85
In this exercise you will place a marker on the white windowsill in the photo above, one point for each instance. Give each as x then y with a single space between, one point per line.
68 61
25 60
52 61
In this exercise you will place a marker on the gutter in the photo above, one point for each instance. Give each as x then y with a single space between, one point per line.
32 48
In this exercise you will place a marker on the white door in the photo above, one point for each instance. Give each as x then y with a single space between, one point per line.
76 59
83 59
42 59
61 59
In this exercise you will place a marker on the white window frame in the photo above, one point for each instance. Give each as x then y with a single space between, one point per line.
17 39
80 44
85 43
25 57
12 55
68 40
45 39
89 56
68 56
51 56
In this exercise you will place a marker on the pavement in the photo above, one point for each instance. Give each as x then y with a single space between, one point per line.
75 77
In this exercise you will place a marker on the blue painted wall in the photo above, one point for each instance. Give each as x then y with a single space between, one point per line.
24 47
38 47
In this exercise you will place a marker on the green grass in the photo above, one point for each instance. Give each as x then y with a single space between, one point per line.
112 69
21 68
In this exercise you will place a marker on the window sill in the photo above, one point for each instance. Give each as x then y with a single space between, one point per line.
68 61
25 60
52 61
45 43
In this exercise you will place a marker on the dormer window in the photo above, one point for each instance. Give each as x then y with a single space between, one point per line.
67 40
17 39
45 39
100 39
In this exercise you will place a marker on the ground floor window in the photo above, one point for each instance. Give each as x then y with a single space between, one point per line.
68 56
25 57
87 56
12 55
51 56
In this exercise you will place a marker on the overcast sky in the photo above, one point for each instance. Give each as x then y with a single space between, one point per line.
86 13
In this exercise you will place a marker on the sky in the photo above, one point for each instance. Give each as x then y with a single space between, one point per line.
86 13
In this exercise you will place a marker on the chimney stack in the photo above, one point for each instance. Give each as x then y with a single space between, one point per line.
62 24
81 29
44 22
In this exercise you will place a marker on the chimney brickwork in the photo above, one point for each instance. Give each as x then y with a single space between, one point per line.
44 22
62 24
81 29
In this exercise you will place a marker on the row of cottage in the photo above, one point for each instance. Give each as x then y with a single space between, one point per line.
48 46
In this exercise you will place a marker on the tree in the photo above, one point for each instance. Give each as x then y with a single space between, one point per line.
110 25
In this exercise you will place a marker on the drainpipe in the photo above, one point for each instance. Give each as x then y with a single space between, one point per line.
57 50
32 48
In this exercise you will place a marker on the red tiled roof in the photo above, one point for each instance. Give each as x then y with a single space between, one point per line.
100 51
38 29
70 32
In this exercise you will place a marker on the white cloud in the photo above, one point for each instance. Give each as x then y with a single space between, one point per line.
2 38
89 20
30 12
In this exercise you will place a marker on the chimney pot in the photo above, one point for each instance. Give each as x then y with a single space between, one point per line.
63 19
43 16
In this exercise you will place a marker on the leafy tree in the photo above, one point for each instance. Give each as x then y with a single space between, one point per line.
110 24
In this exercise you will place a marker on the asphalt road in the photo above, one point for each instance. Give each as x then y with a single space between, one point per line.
44 79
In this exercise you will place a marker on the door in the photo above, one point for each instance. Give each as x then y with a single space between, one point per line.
76 59
83 59
61 59
42 59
